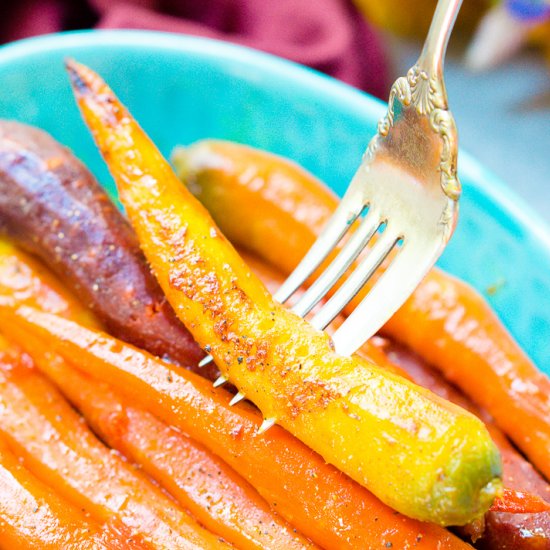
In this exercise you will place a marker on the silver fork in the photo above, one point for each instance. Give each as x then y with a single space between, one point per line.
405 191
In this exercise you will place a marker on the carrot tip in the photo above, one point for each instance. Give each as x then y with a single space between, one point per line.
76 75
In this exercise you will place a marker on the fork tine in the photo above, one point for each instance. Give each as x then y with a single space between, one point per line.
336 228
331 235
338 225
340 264
206 360
357 279
392 289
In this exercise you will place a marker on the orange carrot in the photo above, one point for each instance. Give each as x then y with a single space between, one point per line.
322 502
226 176
200 481
421 455
59 449
451 325
25 280
33 517
218 497
445 320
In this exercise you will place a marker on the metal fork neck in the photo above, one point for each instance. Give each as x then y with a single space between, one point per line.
435 46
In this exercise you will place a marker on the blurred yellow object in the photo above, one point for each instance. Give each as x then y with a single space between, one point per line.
412 19
540 37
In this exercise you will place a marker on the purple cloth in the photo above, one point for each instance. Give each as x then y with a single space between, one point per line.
328 35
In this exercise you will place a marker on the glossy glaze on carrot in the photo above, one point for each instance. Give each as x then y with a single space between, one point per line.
34 517
529 524
60 450
364 520
280 361
216 495
53 206
518 531
322 502
445 320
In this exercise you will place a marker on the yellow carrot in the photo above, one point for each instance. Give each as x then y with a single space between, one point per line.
322 502
421 455
445 320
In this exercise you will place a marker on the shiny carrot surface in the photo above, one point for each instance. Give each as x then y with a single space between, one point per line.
525 491
323 503
445 320
34 517
518 502
218 497
273 279
25 280
60 450
442 465
223 175
525 530
451 325
52 205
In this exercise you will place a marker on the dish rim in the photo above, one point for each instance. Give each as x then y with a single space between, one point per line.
500 194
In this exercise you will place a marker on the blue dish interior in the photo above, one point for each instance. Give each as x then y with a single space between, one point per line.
183 88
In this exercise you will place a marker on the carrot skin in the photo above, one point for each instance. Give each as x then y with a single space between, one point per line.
518 502
445 320
52 205
305 479
449 323
201 482
33 517
58 448
523 507
333 403
219 498
321 501
273 279
517 531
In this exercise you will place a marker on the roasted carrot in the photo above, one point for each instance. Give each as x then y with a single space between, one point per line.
323 503
16 262
273 279
449 323
60 450
223 175
218 497
426 458
200 481
33 517
520 531
52 205
518 502
25 280
522 505
445 320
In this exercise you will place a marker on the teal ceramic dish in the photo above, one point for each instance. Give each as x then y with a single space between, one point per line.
183 88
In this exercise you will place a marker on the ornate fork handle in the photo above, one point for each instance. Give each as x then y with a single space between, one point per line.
423 89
